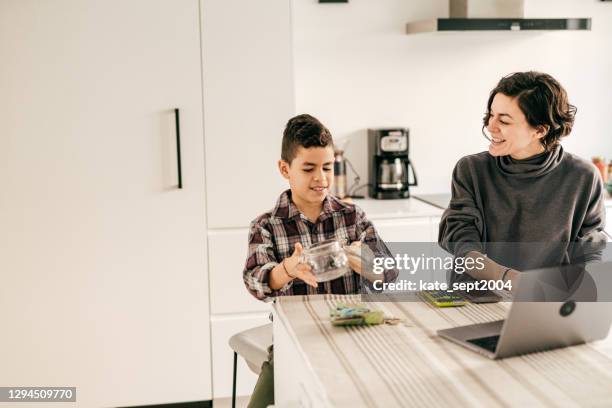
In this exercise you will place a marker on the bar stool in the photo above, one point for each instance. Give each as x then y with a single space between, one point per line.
252 345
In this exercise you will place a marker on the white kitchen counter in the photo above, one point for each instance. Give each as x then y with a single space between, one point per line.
401 208
410 207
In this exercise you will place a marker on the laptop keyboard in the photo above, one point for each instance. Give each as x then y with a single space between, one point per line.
487 343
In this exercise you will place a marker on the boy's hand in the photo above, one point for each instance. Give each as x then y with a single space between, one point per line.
354 257
298 270
359 256
361 260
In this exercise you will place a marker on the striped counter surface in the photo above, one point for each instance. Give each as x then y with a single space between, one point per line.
409 365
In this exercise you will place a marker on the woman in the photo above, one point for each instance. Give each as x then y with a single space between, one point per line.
526 195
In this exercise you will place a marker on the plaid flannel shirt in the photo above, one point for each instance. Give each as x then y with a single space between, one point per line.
273 235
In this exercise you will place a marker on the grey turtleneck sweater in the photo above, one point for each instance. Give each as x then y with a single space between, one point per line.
544 202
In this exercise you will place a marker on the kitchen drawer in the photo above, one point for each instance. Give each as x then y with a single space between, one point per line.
227 251
404 230
222 328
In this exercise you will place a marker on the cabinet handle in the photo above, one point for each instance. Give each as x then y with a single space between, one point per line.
178 147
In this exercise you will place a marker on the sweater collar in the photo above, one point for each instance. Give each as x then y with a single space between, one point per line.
534 166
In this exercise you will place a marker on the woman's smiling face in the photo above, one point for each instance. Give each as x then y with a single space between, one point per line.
510 132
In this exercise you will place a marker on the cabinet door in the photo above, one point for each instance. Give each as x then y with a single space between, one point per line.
248 98
104 282
404 230
227 255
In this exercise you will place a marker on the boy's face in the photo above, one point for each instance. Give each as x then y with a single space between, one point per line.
310 174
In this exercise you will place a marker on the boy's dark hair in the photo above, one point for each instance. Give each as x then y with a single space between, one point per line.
306 131
542 100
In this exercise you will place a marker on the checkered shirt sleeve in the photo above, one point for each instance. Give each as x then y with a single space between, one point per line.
261 259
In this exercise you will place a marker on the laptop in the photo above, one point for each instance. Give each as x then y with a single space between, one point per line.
552 308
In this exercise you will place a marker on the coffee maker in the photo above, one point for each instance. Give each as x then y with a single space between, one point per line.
390 165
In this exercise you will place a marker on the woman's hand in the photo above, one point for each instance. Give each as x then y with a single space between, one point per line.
512 276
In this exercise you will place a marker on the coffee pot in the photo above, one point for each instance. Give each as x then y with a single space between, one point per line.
392 174
390 166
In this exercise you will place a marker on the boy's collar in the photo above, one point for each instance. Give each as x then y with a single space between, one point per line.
286 208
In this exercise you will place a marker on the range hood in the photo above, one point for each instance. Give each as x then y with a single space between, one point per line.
498 15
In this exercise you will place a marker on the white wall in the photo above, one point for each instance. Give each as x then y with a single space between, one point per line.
355 68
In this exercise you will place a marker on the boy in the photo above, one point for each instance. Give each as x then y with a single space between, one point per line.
305 214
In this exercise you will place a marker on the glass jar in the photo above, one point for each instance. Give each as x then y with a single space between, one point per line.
327 259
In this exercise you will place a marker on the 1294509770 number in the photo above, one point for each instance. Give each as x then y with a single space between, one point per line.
56 394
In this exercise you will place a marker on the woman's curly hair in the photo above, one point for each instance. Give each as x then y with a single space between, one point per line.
542 100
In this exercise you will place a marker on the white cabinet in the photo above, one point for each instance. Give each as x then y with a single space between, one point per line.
399 233
404 230
408 220
248 98
227 255
233 308
104 278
